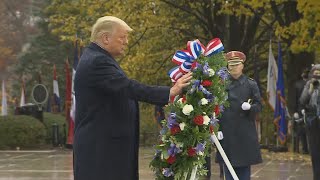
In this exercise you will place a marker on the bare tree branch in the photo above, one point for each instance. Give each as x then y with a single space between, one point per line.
276 12
134 44
185 9
162 64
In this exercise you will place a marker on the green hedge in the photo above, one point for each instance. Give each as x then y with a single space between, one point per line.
21 131
28 132
49 119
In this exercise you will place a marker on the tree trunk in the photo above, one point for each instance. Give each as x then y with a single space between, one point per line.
295 65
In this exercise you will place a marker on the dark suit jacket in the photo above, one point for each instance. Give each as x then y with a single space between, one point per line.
106 136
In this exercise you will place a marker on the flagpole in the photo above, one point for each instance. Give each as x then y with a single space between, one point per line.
4 110
22 98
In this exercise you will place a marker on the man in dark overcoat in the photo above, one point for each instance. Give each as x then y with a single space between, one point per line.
106 139
310 100
240 140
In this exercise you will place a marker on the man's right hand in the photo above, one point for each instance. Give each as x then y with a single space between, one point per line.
184 81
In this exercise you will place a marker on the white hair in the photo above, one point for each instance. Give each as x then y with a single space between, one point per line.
107 24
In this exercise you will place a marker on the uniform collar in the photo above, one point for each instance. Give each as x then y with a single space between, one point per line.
241 79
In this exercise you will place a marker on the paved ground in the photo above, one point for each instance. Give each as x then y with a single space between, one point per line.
57 165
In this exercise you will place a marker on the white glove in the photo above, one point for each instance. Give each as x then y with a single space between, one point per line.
245 106
296 115
220 135
303 111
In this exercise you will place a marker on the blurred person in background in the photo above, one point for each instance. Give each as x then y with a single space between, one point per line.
310 100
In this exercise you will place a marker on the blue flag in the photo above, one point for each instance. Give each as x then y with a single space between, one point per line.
280 108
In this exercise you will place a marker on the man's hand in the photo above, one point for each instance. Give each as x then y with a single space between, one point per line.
311 88
184 81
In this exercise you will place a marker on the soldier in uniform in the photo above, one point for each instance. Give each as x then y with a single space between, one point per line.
237 123
310 99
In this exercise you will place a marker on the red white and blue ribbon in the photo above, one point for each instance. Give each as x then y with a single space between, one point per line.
214 46
186 58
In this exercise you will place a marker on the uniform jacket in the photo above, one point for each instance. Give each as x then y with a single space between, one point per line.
106 136
240 140
311 103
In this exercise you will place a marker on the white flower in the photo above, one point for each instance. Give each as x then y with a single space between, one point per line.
204 101
187 109
179 144
200 153
211 72
206 120
182 125
180 101
163 138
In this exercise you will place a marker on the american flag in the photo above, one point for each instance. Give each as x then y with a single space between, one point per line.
75 64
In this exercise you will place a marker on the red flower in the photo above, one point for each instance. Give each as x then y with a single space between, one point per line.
206 83
184 99
172 99
211 129
171 159
175 129
191 152
194 65
198 120
217 110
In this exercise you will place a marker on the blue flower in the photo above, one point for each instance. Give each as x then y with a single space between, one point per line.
206 69
214 121
204 90
171 120
199 66
210 97
195 86
173 150
157 153
223 73
200 147
167 172
221 107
